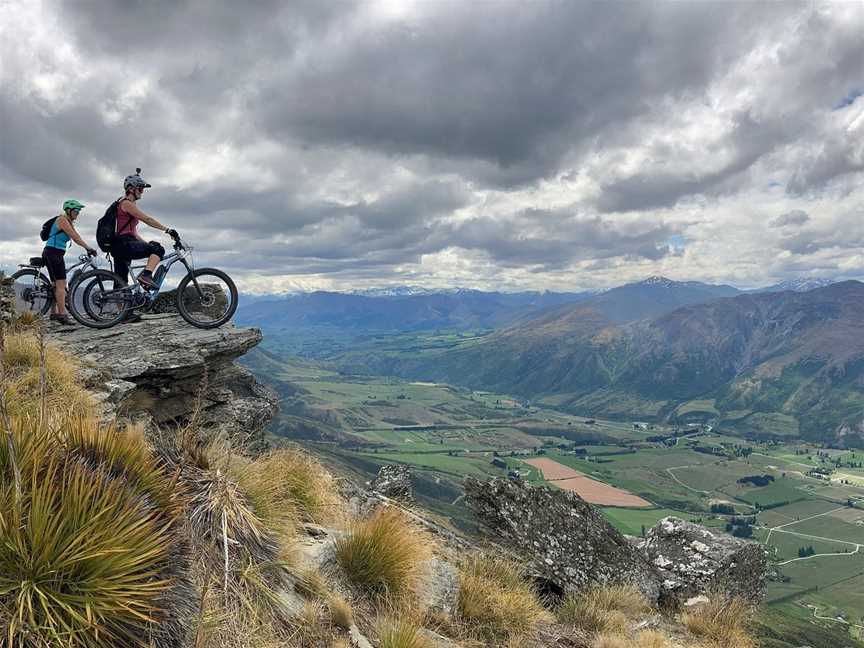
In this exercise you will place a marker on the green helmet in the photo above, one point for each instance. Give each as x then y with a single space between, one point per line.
72 204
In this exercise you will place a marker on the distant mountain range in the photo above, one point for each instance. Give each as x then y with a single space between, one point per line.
399 312
766 364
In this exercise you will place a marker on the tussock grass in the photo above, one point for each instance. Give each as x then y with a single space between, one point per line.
23 377
384 555
651 639
643 639
495 602
84 558
606 609
403 633
721 622
340 612
290 486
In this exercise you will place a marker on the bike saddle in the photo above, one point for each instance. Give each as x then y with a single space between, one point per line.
37 262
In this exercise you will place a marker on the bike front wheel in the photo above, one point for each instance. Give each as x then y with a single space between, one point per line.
207 298
33 292
100 299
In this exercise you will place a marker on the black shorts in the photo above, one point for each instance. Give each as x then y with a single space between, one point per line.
126 248
55 263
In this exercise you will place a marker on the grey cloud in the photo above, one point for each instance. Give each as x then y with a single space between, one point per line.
794 217
459 86
749 141
563 240
834 158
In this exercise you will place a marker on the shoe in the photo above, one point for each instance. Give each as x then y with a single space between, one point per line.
131 318
63 320
146 280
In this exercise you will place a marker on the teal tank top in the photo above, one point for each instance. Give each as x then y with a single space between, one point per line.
58 238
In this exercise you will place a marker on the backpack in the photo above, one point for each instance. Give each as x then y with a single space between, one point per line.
106 227
45 234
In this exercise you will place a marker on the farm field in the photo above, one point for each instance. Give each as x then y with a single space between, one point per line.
588 489
359 423
631 521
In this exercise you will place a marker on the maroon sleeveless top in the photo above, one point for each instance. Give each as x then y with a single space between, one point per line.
126 223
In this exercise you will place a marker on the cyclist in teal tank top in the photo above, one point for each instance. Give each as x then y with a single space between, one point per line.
62 231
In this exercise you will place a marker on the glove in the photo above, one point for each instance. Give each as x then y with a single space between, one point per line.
172 233
92 252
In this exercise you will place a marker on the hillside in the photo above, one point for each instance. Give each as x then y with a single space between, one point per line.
183 535
768 364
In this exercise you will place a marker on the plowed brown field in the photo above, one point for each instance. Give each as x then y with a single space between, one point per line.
588 489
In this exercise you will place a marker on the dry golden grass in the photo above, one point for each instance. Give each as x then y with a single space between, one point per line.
301 481
310 583
651 639
402 633
604 610
384 555
495 602
64 392
341 612
721 622
340 643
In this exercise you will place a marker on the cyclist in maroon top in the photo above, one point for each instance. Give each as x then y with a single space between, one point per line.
128 245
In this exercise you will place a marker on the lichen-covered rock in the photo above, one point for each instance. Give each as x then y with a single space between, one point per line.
693 560
394 481
162 365
7 300
569 543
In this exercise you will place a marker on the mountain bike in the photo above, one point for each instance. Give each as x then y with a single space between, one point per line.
206 297
34 290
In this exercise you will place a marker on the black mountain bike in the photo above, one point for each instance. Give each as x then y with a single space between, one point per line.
206 297
34 290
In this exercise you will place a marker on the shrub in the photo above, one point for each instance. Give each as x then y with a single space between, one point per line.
603 609
84 557
721 621
384 554
494 601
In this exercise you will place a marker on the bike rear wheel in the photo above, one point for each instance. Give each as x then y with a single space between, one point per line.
33 292
100 299
207 298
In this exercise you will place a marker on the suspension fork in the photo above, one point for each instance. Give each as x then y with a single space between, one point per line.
191 272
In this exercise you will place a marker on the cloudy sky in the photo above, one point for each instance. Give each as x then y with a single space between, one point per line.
490 144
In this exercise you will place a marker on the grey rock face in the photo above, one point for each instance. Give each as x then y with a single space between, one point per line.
162 365
394 481
693 560
569 543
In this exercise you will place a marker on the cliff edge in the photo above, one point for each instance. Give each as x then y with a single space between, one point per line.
160 367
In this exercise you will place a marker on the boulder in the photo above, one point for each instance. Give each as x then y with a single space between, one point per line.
693 561
394 482
569 544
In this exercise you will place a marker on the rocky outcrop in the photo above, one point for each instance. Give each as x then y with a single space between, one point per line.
692 560
163 367
394 481
7 303
569 544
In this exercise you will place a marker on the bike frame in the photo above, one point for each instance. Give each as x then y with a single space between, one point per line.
82 261
179 255
144 298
